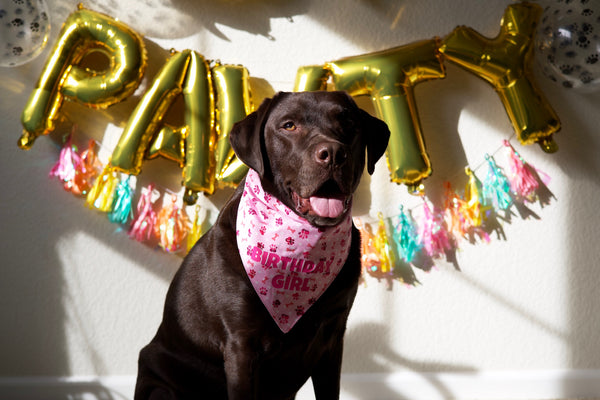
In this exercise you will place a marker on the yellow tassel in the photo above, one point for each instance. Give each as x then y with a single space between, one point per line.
197 230
474 210
102 195
382 245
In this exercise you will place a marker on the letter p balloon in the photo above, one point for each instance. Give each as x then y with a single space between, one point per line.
83 33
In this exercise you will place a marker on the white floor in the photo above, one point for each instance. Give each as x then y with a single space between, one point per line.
506 385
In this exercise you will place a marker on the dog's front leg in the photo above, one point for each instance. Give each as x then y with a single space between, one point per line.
326 375
240 370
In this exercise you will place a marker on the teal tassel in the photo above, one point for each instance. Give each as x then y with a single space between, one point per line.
121 211
496 188
406 236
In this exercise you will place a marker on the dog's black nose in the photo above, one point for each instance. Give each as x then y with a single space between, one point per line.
330 154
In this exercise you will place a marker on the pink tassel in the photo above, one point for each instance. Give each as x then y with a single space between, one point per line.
522 178
144 223
67 164
433 235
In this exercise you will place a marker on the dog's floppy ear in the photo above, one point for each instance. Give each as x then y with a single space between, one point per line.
376 134
246 138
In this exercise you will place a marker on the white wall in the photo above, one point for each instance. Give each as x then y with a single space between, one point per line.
80 299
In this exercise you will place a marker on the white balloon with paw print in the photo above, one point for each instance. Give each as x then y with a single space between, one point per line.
24 29
568 43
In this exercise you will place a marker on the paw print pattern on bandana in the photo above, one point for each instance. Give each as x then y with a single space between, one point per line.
289 262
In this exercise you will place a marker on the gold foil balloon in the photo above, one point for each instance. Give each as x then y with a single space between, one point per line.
233 103
84 32
188 74
311 78
170 144
389 77
505 63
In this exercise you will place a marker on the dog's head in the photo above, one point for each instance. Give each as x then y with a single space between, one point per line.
309 150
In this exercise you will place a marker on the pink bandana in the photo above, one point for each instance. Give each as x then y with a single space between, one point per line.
289 262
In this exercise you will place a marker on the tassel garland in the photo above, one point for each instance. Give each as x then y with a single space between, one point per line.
435 232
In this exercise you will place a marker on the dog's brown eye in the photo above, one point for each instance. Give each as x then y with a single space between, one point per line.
289 126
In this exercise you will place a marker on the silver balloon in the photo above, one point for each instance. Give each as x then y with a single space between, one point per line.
568 43
24 29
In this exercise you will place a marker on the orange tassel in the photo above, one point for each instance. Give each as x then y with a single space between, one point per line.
453 206
87 170
369 255
171 226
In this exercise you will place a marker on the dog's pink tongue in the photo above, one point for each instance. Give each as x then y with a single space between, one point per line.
327 208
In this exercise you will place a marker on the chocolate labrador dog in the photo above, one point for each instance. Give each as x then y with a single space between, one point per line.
260 303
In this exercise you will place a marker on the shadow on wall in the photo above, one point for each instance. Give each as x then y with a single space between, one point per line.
579 159
31 334
372 358
36 309
37 306
171 19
